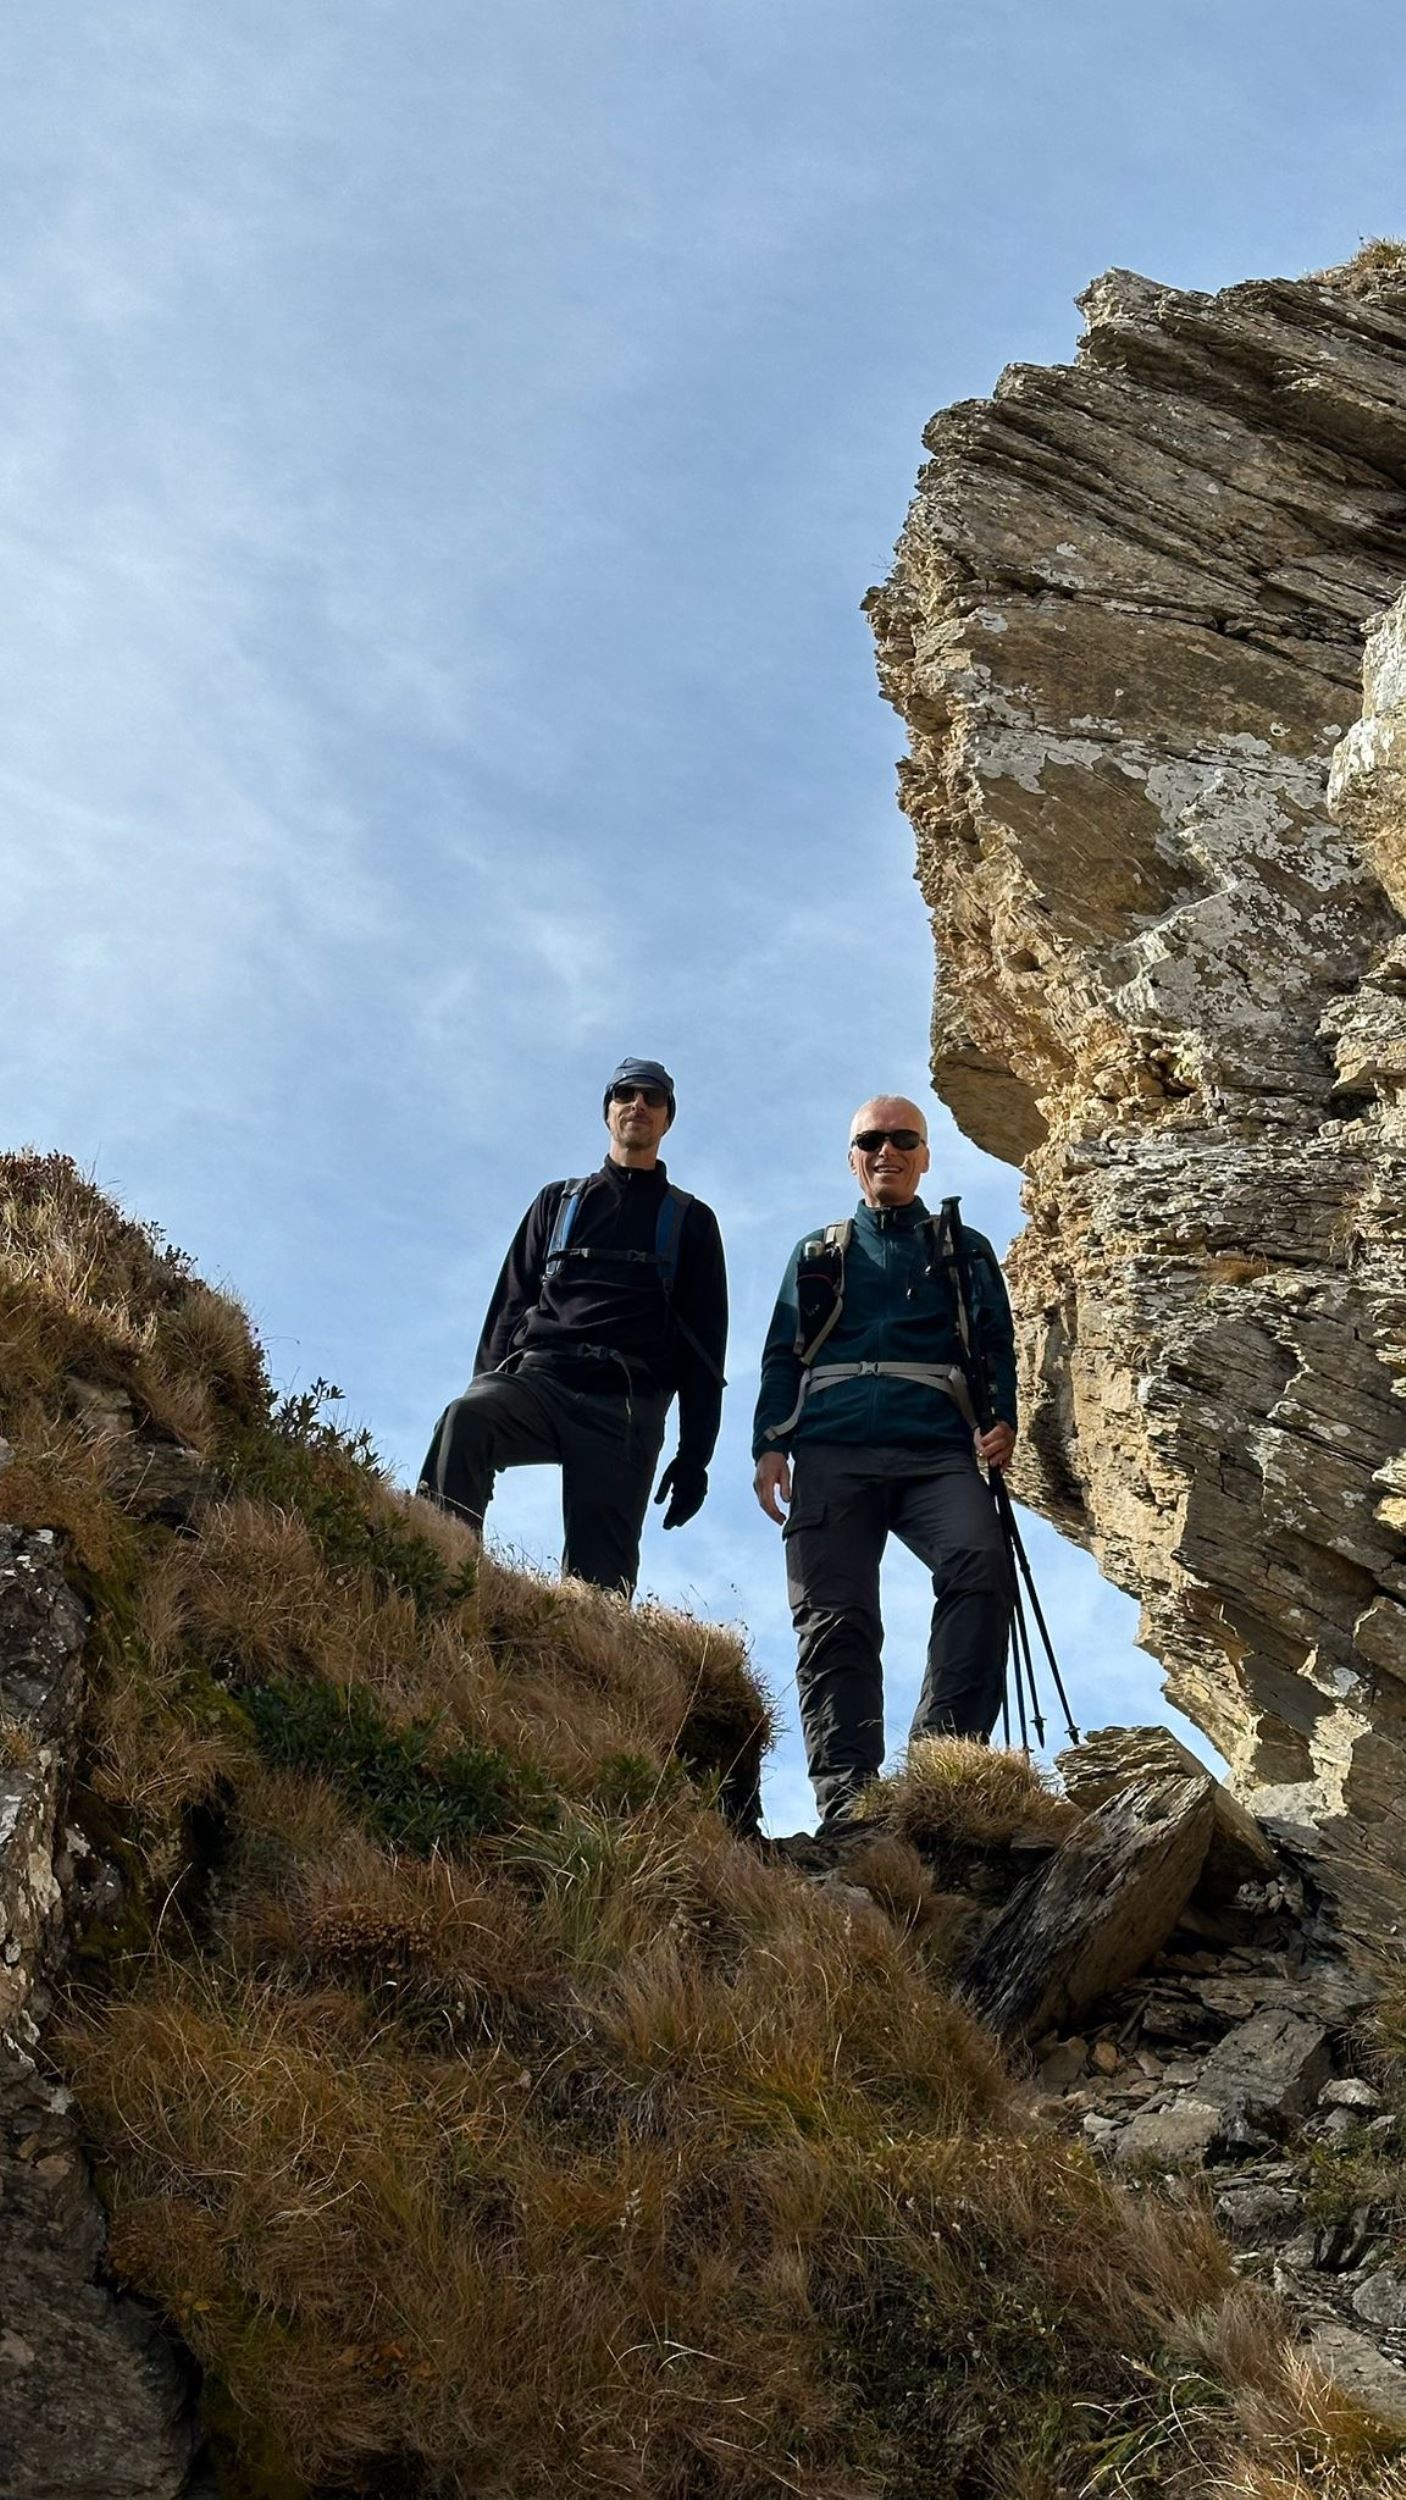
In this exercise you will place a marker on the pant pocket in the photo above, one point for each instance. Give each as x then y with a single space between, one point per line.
805 1513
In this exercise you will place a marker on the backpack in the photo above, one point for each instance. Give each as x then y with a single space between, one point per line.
820 1281
673 1207
663 1258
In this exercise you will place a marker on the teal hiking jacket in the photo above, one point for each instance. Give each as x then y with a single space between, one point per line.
898 1308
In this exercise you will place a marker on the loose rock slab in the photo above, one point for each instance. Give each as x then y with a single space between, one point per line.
1109 1757
1187 2132
1273 2066
1105 1903
1362 2372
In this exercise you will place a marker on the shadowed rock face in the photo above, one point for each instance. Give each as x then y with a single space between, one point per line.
93 2399
1125 630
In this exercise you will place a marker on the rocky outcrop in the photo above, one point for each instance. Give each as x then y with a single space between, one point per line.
1125 632
93 2399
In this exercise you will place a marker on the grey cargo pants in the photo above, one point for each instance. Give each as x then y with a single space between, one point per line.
606 1447
845 1503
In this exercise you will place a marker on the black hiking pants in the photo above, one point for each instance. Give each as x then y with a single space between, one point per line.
606 1446
845 1504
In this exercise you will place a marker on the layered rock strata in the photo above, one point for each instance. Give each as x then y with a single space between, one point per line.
1125 630
93 2397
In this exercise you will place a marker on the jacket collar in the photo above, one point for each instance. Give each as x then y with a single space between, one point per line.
631 1176
893 1219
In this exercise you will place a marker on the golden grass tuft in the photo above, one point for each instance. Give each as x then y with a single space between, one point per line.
85 1291
951 1795
694 2204
1377 268
60 1479
18 1747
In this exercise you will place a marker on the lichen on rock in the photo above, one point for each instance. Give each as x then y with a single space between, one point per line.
1124 629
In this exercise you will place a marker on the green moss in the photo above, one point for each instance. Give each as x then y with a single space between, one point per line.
417 1793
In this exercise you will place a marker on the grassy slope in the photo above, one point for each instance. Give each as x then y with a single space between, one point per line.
489 2121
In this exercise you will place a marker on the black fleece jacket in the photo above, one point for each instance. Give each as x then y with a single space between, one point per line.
581 1304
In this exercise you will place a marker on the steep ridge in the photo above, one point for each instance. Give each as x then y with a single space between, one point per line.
473 2113
1124 629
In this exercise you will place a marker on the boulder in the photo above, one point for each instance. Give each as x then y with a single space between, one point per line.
1257 2211
1187 2131
1381 2300
1361 2371
1350 2092
1272 2066
1104 1904
1063 2065
1110 1757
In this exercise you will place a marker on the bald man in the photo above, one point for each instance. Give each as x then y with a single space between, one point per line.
865 1426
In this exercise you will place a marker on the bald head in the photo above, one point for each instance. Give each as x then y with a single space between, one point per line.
888 1150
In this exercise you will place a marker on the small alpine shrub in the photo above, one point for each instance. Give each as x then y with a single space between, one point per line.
329 1474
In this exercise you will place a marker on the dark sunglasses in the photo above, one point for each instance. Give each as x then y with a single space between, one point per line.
653 1095
906 1140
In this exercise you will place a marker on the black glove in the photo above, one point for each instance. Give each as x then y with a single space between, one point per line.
685 1485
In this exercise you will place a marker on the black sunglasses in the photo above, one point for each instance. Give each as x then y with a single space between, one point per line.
653 1095
870 1140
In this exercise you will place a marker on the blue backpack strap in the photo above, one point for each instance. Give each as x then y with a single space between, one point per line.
668 1233
568 1205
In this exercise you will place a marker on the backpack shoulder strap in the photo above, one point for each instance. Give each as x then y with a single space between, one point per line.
567 1206
820 1287
673 1208
673 1212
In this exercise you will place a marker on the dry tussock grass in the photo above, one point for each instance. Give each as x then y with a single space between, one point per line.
658 1677
17 1745
83 1290
690 2229
1379 267
951 1795
580 2152
60 1479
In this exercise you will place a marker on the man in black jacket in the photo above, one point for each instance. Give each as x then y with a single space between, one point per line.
612 1299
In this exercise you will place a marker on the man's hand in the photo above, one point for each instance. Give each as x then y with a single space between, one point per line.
773 1479
684 1485
994 1448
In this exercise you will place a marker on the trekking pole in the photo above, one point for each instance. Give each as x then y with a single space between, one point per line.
1024 1662
1000 1495
1018 1664
1017 1545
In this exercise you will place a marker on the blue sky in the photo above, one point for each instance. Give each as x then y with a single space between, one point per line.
444 453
